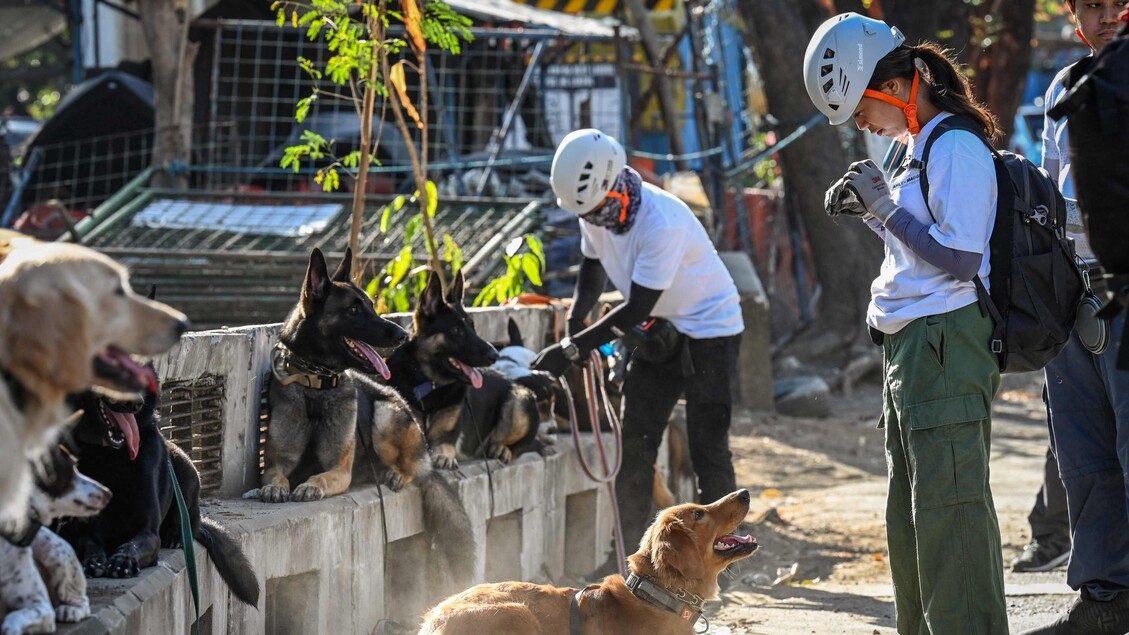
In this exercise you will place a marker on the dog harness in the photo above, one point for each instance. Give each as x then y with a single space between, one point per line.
288 369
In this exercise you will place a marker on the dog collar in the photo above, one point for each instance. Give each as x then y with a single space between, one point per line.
423 390
681 602
288 369
15 389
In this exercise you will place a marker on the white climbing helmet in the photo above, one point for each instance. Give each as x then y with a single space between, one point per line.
840 60
585 167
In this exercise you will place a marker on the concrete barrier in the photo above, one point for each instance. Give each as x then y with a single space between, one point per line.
329 566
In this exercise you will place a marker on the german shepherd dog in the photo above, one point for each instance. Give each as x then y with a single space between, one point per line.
466 411
119 444
319 388
322 399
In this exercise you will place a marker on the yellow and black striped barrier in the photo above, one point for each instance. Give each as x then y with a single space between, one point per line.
594 6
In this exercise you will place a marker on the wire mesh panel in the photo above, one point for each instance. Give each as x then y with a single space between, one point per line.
191 416
500 101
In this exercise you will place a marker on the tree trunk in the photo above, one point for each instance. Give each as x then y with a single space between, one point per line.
165 25
1000 69
641 20
846 253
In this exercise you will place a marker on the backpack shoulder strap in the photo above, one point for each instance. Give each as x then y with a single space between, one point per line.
988 304
954 122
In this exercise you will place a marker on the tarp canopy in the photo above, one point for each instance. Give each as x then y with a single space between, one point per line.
112 103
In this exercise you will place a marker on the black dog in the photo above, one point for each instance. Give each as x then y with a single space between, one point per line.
466 411
119 445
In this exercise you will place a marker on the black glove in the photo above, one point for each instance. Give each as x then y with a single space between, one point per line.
551 360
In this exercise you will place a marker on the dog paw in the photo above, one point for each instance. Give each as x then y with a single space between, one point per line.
547 450
441 462
123 566
71 613
306 492
392 481
95 566
499 452
274 494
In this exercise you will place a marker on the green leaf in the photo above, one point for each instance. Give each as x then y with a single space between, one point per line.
398 203
535 246
488 293
401 300
373 287
384 218
401 265
531 267
432 198
412 228
351 160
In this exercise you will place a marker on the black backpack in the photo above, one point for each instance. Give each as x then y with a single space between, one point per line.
1037 282
1097 104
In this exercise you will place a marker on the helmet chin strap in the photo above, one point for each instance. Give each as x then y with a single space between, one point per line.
1083 38
909 108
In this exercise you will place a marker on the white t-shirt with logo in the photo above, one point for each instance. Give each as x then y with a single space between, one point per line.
962 196
668 249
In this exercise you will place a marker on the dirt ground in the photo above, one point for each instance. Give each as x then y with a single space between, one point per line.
819 489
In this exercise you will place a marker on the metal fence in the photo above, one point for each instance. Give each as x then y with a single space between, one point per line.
191 416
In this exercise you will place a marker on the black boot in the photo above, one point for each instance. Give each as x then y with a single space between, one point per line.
1090 617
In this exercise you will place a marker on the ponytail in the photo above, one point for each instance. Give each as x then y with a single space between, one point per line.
949 90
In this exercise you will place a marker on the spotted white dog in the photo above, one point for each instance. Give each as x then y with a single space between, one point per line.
33 573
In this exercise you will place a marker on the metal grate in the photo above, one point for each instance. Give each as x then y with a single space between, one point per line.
191 416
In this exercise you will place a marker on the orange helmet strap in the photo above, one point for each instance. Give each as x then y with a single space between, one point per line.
909 108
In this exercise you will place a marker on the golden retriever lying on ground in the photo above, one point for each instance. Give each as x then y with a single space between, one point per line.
68 321
671 576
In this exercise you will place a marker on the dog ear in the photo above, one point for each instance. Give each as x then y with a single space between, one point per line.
432 295
455 290
316 286
515 333
675 556
344 271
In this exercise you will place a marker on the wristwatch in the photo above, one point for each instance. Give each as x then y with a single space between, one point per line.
569 349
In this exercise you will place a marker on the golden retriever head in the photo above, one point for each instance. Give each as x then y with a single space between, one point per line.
69 320
689 545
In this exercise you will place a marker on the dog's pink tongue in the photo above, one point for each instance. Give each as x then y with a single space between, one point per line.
734 539
472 373
142 372
127 423
373 358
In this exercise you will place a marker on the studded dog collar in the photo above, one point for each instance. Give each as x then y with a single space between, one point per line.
686 605
288 369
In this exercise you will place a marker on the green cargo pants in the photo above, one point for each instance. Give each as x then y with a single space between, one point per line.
941 526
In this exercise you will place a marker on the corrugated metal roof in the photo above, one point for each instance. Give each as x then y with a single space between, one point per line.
509 11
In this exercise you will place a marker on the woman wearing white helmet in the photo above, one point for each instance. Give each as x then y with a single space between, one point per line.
940 374
659 256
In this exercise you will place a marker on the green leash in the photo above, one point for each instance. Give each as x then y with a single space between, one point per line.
188 545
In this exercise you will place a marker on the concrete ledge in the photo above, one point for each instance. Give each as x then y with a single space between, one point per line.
321 564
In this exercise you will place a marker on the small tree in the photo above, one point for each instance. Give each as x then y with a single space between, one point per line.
363 67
